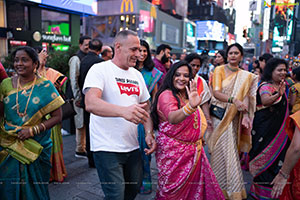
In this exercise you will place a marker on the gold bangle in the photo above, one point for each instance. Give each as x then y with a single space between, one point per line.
44 126
34 130
38 128
31 132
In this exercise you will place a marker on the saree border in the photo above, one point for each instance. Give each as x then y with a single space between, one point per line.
254 166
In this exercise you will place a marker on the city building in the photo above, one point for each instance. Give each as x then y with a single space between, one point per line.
155 21
50 24
214 24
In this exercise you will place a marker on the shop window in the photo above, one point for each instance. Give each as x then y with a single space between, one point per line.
55 22
18 16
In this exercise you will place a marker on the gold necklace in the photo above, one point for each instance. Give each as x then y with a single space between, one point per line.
233 69
17 96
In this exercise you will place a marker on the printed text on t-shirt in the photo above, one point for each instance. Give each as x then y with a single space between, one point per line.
127 86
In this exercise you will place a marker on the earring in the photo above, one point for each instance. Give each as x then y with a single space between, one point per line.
34 71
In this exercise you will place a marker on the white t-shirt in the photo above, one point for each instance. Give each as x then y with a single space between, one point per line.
119 87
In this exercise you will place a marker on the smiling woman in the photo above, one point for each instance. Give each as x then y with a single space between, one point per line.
269 139
232 110
151 76
181 160
25 144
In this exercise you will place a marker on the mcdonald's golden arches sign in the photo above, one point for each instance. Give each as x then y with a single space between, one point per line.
127 4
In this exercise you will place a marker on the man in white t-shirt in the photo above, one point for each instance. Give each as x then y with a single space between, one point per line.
117 98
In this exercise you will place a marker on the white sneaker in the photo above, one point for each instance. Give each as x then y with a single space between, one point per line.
64 132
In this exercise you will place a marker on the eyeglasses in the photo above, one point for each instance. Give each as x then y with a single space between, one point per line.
194 65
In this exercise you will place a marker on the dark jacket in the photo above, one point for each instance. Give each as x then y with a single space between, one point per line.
86 63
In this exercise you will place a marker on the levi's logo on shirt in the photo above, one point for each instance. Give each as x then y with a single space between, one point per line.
127 86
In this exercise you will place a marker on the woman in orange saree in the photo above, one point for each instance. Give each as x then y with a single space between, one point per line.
184 171
232 110
58 169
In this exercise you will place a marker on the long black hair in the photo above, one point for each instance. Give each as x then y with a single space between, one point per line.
148 62
168 85
270 67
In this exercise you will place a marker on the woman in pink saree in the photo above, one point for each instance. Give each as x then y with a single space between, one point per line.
183 169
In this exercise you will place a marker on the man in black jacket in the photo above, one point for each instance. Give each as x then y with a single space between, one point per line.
87 62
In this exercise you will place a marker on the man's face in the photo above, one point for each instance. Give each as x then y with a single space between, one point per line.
167 53
84 47
128 51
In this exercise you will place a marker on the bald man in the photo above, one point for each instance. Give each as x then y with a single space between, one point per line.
118 100
107 53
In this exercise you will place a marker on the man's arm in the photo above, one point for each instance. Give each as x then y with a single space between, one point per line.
94 104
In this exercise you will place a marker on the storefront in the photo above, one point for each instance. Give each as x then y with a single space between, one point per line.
54 25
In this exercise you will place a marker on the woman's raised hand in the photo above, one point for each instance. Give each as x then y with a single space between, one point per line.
194 98
281 88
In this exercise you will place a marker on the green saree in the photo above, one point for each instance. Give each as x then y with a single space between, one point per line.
25 165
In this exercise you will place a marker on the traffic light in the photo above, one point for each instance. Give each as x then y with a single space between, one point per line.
261 34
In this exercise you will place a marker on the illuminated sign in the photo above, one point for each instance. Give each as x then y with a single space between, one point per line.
56 38
17 43
147 21
59 29
210 30
190 36
128 4
283 22
82 6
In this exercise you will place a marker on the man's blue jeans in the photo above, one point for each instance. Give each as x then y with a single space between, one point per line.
120 174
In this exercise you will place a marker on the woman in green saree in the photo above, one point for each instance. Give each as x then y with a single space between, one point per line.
25 144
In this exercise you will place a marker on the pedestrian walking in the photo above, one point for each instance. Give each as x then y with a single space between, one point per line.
151 76
58 170
269 139
92 57
74 72
183 169
232 110
25 144
118 100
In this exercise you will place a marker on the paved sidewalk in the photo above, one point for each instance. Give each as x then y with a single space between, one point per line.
82 182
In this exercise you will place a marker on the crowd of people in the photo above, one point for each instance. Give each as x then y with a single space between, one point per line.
130 103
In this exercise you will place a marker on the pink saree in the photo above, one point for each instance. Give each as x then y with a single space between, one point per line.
184 171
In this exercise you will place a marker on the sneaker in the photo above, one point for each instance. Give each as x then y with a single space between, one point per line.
80 155
64 132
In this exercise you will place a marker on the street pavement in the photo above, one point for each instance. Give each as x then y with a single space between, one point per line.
82 182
